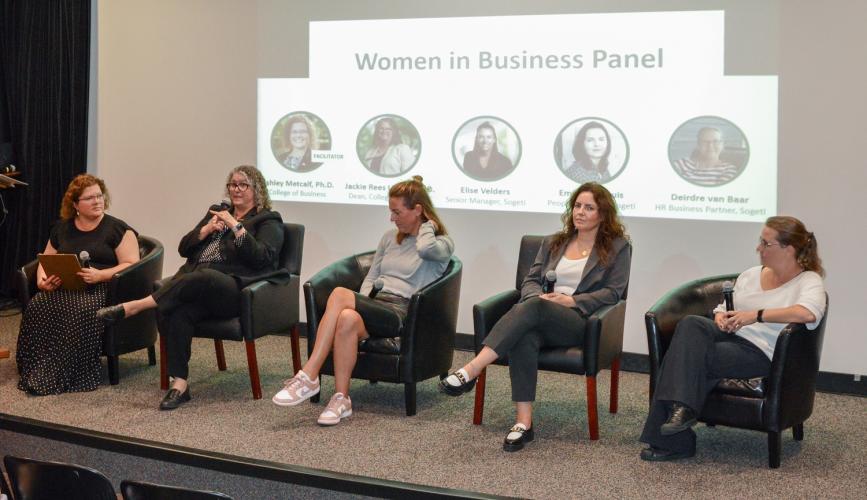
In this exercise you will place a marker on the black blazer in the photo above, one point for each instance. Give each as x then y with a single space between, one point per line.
600 285
256 259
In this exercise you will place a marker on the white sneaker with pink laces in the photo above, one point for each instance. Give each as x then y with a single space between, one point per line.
338 408
297 390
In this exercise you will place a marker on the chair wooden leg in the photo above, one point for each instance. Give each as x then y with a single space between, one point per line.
296 350
113 370
253 365
164 369
775 446
798 432
409 397
221 355
615 381
592 415
479 407
152 356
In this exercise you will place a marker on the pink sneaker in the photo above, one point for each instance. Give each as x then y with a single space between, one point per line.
297 390
338 408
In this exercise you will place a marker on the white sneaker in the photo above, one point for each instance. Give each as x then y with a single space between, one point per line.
338 408
297 390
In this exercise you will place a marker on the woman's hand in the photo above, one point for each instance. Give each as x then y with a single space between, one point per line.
720 320
433 223
48 283
90 275
559 298
215 224
225 217
735 320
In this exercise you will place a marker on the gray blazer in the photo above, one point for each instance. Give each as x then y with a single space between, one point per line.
600 285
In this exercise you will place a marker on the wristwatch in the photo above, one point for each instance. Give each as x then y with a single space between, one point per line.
759 316
237 227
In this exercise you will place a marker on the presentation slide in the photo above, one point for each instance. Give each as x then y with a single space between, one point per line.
512 113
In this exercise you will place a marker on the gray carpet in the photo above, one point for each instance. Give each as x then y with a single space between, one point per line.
441 447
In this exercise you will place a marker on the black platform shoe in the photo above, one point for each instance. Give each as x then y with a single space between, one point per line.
654 454
456 390
526 435
111 314
682 418
174 398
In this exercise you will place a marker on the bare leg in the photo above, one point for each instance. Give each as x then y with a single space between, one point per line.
524 413
179 384
350 329
485 357
134 307
340 299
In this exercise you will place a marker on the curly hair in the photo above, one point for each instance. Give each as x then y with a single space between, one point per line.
610 226
414 193
792 232
257 184
73 193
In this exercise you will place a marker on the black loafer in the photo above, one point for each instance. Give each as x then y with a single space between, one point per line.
517 444
111 314
654 454
456 390
682 418
174 398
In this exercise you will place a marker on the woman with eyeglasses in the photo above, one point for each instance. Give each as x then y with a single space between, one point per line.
60 338
786 288
227 250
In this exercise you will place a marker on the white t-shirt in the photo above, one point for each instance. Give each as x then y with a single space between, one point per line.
569 275
806 289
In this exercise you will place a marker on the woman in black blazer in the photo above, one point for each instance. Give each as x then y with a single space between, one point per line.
591 257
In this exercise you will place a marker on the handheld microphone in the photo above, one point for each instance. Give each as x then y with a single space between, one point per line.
225 205
377 286
84 257
728 295
549 281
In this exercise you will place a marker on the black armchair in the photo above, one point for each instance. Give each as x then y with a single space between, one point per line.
603 341
772 404
425 347
140 490
134 282
266 308
41 479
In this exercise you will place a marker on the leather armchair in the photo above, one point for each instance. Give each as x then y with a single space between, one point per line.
140 490
603 341
771 404
42 479
134 282
425 347
266 308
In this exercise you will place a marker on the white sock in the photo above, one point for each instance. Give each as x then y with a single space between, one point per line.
454 381
515 435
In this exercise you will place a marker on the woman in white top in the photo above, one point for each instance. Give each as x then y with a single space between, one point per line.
591 256
786 288
388 156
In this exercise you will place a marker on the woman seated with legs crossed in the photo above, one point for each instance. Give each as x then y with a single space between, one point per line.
407 259
591 257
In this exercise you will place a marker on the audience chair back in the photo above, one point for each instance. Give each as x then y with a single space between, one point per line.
42 480
139 490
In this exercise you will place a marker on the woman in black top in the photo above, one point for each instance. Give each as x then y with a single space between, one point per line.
60 339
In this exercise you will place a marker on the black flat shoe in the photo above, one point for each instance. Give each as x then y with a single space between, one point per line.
682 418
111 314
456 390
653 454
174 398
518 443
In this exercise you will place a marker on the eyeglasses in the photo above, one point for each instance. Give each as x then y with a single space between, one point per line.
768 244
95 197
241 186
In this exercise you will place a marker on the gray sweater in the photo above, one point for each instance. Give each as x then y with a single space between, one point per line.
408 267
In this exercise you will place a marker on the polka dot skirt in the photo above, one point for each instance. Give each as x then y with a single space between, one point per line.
60 341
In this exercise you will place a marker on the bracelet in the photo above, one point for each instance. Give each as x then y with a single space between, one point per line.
759 316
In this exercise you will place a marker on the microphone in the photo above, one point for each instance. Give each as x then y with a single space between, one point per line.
225 205
84 257
377 286
549 281
728 294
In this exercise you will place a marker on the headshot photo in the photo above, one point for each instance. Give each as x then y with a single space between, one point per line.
708 151
388 145
295 137
591 150
486 148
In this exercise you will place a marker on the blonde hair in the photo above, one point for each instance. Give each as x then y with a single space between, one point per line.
257 184
413 192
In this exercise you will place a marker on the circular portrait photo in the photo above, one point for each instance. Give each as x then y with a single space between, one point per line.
708 151
296 136
486 148
591 149
388 145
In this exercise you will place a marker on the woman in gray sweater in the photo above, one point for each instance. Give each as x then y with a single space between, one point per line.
407 258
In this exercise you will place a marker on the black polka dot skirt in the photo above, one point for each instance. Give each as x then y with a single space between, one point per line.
60 341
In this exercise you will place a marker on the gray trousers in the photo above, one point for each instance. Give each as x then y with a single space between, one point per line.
527 327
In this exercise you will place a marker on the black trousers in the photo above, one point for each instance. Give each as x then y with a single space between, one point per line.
527 327
700 355
186 300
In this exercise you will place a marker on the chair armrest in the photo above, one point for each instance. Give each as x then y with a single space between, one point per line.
268 308
792 381
25 282
603 337
137 280
344 273
487 312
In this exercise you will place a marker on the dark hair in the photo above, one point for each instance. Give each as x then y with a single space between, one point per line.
395 133
73 193
580 153
792 232
257 184
490 127
413 193
610 227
